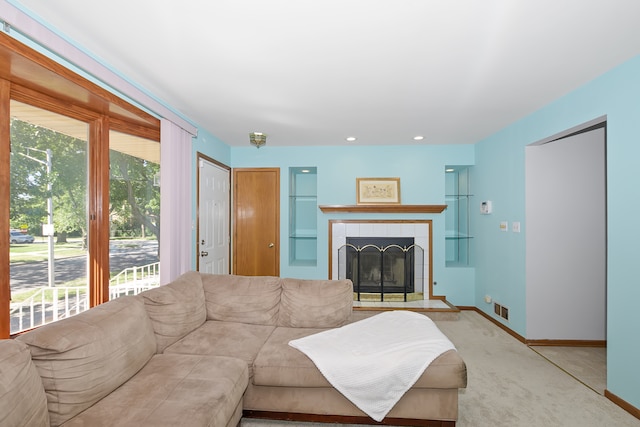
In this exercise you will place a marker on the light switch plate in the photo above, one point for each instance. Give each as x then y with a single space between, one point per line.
504 226
515 226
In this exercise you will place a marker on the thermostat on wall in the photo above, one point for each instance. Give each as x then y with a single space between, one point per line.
485 207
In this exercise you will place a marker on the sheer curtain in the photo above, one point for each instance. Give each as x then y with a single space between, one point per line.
175 201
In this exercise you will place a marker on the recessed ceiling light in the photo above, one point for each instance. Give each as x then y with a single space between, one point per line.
449 170
305 171
351 138
418 137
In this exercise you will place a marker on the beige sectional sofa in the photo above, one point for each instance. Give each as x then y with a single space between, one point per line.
200 351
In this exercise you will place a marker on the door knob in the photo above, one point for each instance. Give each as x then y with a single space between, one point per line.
203 253
271 245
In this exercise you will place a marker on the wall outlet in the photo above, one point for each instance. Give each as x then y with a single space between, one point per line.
487 299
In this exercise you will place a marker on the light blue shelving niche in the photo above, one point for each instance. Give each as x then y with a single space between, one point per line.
458 234
303 216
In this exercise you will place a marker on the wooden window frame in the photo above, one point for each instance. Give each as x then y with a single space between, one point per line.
32 78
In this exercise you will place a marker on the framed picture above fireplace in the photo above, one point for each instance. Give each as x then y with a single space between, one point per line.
377 191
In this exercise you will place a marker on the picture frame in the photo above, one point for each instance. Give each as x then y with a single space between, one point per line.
377 191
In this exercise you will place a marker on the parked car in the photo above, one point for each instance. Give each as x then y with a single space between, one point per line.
18 237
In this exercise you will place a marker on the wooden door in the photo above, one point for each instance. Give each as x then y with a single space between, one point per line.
256 225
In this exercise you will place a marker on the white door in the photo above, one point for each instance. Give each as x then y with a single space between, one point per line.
214 233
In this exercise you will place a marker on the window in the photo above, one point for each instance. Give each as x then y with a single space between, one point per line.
134 214
48 202
56 129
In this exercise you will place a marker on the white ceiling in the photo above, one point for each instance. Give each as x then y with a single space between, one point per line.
311 72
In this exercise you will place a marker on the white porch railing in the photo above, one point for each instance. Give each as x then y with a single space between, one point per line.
132 281
49 304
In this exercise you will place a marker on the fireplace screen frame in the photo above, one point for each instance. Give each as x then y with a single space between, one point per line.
377 267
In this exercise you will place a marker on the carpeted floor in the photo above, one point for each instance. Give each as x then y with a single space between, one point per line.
511 385
587 364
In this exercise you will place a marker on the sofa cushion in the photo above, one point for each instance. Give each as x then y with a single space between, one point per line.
176 308
85 357
278 364
22 398
215 338
174 390
243 299
315 303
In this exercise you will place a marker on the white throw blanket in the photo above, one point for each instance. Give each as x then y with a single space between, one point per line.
373 362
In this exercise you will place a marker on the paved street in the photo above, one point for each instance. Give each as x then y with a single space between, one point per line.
123 254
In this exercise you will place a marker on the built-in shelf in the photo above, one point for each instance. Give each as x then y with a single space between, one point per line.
303 226
457 224
383 208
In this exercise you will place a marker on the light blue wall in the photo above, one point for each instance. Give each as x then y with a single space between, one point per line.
209 145
499 176
421 172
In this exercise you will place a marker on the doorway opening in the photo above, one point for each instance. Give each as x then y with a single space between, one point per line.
566 245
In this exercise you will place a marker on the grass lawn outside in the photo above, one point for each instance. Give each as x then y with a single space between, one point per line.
39 250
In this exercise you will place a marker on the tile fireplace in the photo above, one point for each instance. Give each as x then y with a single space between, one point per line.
382 256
